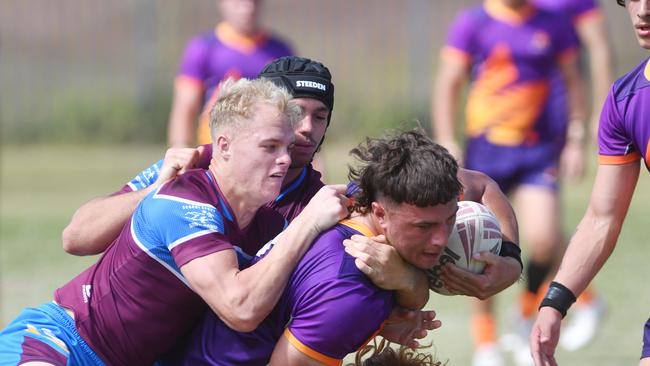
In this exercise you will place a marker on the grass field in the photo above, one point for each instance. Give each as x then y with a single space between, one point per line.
41 186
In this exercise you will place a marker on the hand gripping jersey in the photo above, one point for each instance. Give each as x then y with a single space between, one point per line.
328 309
134 304
290 202
512 57
224 53
624 129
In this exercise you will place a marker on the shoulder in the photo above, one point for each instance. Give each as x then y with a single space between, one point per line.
637 79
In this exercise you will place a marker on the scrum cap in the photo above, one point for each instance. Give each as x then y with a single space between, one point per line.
304 78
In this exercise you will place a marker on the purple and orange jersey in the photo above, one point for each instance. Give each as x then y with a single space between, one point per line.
577 10
289 203
328 309
624 131
134 304
224 53
512 55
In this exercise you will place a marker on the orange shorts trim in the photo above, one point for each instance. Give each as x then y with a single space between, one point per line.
330 361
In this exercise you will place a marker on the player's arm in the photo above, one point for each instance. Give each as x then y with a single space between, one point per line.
589 248
243 298
386 269
98 222
450 78
593 36
500 271
572 159
186 105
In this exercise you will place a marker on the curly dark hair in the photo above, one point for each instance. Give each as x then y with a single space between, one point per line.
405 168
621 2
383 355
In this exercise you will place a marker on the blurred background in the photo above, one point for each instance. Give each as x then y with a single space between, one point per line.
85 94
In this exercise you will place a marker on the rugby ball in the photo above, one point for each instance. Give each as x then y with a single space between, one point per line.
476 230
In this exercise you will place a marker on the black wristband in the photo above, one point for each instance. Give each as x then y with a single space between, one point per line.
510 249
559 298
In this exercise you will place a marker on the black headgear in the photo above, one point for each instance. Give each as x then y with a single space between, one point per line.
304 78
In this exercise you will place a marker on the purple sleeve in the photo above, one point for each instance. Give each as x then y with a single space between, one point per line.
193 61
564 35
582 7
337 317
460 35
612 138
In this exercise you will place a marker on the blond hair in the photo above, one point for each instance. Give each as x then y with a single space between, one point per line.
238 98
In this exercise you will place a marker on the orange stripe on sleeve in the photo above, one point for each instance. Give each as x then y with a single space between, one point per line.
330 361
618 160
183 81
593 14
453 54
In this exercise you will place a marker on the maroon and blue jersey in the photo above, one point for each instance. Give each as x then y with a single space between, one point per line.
624 131
134 304
224 53
512 55
328 310
290 202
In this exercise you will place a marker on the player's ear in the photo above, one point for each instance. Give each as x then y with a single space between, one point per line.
378 211
223 146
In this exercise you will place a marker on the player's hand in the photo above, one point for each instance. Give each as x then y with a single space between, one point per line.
405 326
328 206
177 161
544 336
499 274
380 261
572 161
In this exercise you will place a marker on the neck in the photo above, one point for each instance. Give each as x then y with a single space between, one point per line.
369 220
243 207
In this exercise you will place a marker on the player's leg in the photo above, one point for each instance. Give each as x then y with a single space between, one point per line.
537 208
500 164
484 334
32 339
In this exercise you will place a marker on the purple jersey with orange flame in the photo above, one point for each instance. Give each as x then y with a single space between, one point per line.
328 309
223 53
624 131
513 55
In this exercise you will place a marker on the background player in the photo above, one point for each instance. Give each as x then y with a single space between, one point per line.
623 138
237 47
184 245
510 50
589 23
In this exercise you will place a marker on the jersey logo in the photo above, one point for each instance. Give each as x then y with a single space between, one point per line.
540 41
85 292
203 218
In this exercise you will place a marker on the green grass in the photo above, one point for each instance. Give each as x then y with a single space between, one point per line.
41 186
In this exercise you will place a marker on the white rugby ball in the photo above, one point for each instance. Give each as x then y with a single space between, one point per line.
476 230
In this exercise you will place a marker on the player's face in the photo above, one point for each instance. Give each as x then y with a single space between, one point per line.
241 14
260 153
418 233
639 11
309 131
